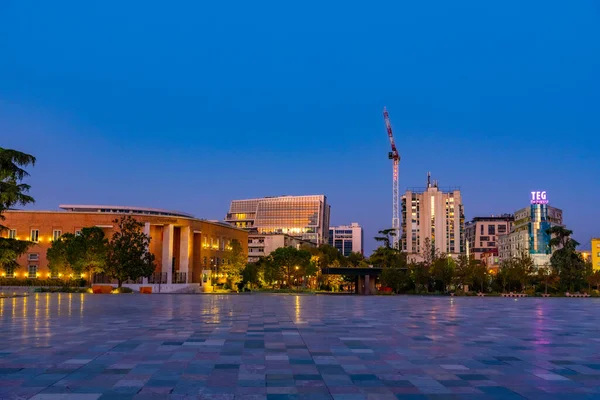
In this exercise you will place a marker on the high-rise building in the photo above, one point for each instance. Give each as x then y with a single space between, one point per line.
430 213
482 234
305 217
529 231
596 254
347 238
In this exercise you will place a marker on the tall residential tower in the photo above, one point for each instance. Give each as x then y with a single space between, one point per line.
433 214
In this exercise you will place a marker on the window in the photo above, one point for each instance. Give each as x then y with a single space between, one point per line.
77 232
501 228
33 256
10 272
484 238
481 230
56 234
35 235
12 234
491 229
32 271
54 275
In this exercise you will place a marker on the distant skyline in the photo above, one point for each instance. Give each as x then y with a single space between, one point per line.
190 106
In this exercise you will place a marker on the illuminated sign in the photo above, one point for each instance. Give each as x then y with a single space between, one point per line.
539 197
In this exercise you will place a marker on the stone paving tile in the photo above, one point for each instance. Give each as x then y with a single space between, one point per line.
80 346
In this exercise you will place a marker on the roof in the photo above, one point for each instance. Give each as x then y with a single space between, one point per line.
122 210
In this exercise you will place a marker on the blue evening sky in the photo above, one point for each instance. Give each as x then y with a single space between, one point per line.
188 105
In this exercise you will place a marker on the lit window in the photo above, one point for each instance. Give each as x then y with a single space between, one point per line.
56 234
35 235
12 234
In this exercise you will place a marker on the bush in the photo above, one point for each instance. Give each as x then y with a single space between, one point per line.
42 282
64 289
122 290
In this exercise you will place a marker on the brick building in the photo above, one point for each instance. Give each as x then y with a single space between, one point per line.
185 247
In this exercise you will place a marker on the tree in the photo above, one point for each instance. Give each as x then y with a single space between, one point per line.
464 271
250 274
271 272
13 192
386 236
78 254
290 262
10 250
128 256
87 251
523 268
236 260
354 259
443 271
565 260
56 255
594 279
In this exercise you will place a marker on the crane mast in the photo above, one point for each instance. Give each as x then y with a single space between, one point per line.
395 157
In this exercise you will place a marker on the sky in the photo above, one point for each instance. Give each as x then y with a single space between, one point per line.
189 105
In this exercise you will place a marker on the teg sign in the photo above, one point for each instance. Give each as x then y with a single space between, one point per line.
539 197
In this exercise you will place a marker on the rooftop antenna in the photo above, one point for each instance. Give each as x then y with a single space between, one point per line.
429 179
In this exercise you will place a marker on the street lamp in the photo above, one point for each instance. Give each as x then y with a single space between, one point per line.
296 278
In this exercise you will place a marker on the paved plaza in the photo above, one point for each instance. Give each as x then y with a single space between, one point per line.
82 346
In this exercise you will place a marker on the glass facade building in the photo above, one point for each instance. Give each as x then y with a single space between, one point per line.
306 217
529 233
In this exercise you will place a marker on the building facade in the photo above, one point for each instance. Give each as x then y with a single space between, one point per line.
304 217
185 247
433 214
347 238
596 254
481 234
528 234
261 245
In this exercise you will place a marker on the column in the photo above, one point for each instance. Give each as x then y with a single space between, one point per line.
367 284
147 233
186 240
167 251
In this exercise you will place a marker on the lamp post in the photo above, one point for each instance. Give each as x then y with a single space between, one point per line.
296 278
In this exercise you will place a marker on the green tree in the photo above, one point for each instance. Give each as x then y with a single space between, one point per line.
594 279
128 255
464 271
443 271
565 260
56 255
355 259
522 270
251 274
87 251
386 236
237 260
13 192
291 262
271 271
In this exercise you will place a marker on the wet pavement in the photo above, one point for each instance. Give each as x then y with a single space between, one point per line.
82 346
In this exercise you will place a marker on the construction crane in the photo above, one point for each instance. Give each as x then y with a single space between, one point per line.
395 157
